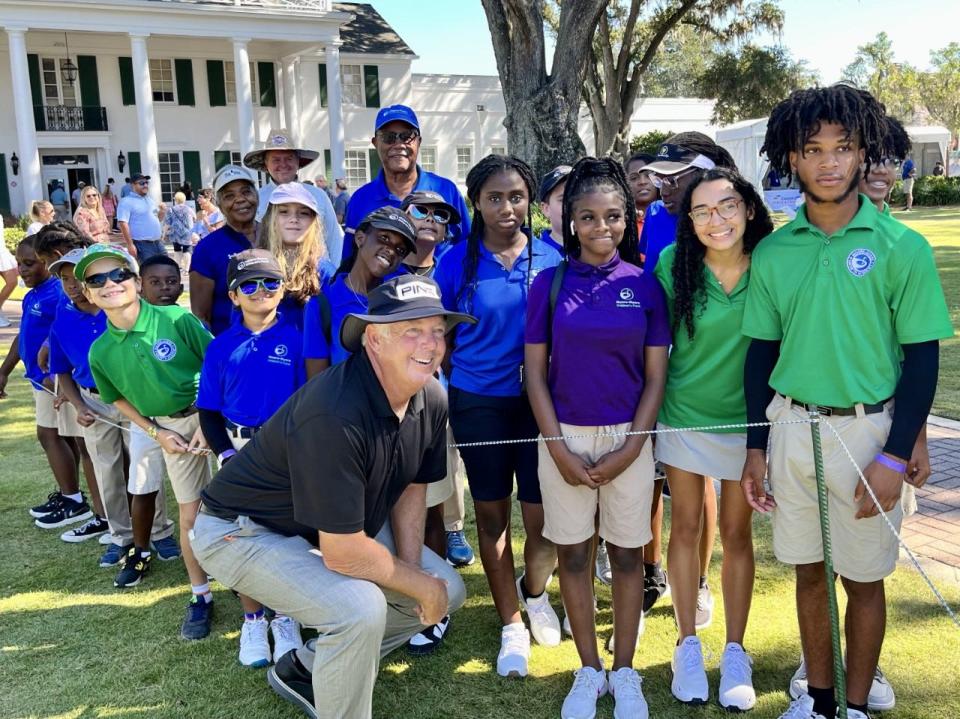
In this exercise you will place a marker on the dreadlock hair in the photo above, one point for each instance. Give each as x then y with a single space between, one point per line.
591 175
798 118
58 238
703 145
689 272
477 177
896 143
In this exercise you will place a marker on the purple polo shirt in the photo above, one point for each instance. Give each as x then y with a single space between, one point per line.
604 318
211 257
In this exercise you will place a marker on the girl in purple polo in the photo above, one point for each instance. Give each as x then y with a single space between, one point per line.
596 366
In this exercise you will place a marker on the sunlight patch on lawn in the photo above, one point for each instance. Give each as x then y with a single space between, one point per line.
45 601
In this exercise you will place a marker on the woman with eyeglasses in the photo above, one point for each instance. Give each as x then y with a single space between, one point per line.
705 276
90 218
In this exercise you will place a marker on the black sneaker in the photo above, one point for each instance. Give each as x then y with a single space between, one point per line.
69 512
291 680
88 530
196 625
654 585
51 505
430 639
134 567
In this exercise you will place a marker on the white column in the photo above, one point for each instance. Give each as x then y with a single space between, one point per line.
335 108
27 152
241 68
291 97
143 92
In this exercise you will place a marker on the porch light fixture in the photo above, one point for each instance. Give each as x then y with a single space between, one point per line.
68 71
15 164
121 161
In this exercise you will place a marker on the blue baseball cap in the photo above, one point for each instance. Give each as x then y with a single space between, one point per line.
396 112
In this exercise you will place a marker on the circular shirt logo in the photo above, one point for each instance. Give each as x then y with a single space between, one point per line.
860 262
626 294
164 350
280 350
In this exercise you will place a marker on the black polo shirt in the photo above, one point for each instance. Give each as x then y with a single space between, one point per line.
334 457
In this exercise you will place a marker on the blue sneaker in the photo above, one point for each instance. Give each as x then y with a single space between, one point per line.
114 555
167 549
196 625
459 552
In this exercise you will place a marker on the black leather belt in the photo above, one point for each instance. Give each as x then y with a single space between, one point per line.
843 411
239 431
187 411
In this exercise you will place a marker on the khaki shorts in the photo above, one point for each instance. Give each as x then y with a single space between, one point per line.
864 550
46 414
189 473
569 512
908 186
67 425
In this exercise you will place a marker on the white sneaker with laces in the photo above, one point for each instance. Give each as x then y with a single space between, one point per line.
603 570
640 628
544 622
514 650
801 708
567 629
4 320
881 697
854 714
286 635
626 687
689 683
736 679
704 607
589 684
254 644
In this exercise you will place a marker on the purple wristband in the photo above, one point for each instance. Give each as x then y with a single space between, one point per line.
891 463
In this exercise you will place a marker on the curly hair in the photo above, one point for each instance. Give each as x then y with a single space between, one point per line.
604 175
477 177
302 281
896 143
795 120
689 273
58 238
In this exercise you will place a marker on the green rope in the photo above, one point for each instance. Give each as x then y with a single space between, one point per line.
839 678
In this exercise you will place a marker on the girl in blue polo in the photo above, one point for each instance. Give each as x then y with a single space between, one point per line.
597 335
489 276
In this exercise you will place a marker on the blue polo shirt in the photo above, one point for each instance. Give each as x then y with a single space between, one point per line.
906 169
211 257
376 194
659 231
547 236
72 334
247 376
39 310
487 356
343 301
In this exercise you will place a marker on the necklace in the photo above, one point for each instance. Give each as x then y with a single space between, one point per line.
729 276
420 271
361 298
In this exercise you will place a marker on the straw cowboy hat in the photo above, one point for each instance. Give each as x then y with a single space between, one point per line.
278 139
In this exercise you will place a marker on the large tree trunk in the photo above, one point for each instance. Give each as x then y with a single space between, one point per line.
542 109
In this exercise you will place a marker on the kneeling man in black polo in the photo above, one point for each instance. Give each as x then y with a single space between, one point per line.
321 516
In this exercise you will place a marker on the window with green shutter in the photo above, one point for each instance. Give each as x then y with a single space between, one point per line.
93 117
328 165
191 169
183 69
127 91
215 85
221 158
266 79
133 163
323 84
371 85
36 92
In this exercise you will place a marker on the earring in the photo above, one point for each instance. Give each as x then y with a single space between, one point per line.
572 230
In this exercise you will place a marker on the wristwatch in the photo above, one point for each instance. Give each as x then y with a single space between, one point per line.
153 432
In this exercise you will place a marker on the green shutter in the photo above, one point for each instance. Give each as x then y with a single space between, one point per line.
221 158
266 78
323 84
183 69
4 190
374 163
89 83
191 169
371 85
126 81
328 164
215 85
133 163
36 92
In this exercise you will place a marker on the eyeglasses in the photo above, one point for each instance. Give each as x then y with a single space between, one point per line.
671 182
890 162
421 212
117 275
726 209
250 287
392 138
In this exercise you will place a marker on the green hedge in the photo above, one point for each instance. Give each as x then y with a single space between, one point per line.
11 236
929 191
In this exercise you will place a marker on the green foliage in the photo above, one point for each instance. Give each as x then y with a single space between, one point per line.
12 236
648 142
941 87
929 191
895 84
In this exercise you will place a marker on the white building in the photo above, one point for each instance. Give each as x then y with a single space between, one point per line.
177 88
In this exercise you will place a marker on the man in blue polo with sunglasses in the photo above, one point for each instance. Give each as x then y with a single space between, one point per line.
397 141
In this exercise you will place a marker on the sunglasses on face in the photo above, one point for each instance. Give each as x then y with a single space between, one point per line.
250 287
671 182
726 209
421 212
392 138
116 275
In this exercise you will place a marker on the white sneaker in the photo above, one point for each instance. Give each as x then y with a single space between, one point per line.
4 320
625 686
254 645
736 679
881 697
514 651
689 683
567 629
604 572
704 607
854 714
589 684
286 635
105 539
544 622
801 708
640 628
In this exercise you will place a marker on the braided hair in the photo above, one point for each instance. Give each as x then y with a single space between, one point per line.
477 177
795 120
604 175
689 272
59 238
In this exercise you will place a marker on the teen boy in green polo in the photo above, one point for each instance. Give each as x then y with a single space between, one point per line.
837 298
147 364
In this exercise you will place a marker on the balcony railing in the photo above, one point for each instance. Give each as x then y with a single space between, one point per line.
61 118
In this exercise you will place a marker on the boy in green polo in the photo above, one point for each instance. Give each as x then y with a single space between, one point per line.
837 298
148 364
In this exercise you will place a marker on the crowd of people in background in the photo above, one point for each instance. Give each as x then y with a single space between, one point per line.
659 297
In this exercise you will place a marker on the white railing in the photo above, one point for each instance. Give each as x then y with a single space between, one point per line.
302 5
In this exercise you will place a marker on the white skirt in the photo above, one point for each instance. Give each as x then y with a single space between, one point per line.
712 454
7 260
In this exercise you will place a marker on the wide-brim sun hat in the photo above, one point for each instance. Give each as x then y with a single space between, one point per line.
278 139
295 193
101 251
401 299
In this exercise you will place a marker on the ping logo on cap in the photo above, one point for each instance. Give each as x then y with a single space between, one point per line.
244 264
415 290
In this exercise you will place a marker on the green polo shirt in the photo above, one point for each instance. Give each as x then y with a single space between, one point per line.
842 305
705 375
156 365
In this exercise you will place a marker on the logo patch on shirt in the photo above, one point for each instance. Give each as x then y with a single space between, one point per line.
626 294
860 262
164 350
279 356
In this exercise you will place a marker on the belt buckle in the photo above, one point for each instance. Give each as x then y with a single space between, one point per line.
823 410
